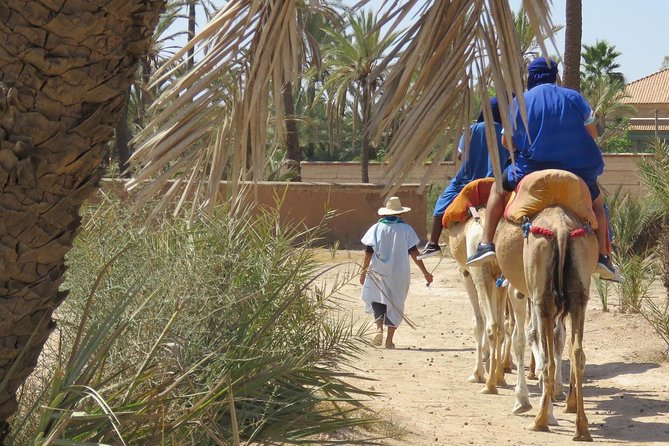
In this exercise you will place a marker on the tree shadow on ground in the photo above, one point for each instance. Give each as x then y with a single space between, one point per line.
613 369
624 410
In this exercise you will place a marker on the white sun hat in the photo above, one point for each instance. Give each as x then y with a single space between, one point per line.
393 207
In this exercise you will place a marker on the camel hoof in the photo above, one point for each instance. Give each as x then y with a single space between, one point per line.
489 390
508 369
570 408
520 408
560 396
501 382
536 428
582 437
552 421
532 376
476 379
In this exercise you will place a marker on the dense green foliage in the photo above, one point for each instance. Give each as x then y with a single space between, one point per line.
191 334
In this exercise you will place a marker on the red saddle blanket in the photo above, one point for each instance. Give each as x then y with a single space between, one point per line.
474 194
550 187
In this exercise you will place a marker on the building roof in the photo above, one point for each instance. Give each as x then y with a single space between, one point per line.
652 89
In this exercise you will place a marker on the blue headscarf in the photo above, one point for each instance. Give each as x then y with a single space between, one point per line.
495 111
539 72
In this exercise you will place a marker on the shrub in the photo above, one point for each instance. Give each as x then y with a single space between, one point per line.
202 333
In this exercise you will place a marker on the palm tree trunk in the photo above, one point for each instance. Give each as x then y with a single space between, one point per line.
364 143
572 45
62 90
293 151
122 139
191 33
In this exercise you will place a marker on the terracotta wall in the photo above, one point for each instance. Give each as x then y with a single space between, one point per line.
304 205
355 207
620 171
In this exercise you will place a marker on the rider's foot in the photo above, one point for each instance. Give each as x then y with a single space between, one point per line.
431 249
484 253
607 270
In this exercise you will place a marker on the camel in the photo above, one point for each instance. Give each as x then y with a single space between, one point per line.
553 266
487 300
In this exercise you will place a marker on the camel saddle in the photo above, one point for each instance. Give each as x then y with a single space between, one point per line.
474 194
550 187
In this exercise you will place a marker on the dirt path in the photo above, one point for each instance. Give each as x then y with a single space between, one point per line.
424 381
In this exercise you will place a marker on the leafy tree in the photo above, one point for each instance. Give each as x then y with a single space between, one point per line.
605 94
600 60
665 63
351 60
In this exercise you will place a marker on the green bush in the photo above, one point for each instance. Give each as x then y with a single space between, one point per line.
191 334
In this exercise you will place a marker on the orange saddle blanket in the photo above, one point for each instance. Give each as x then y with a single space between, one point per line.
550 187
474 194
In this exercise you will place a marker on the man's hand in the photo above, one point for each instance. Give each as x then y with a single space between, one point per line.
428 278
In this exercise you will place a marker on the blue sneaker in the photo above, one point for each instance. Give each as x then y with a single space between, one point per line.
431 249
607 270
484 253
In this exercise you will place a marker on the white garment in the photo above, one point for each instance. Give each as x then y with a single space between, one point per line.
388 275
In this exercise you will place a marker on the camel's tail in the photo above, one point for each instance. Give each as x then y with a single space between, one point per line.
558 276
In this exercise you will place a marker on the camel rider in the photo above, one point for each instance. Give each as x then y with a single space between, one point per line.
560 134
476 165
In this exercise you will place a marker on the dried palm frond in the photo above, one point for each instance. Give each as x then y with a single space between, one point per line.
220 108
214 122
451 47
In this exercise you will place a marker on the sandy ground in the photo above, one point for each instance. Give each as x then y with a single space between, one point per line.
424 381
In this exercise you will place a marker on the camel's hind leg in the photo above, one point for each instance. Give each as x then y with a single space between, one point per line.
517 303
546 324
493 310
578 360
479 371
560 338
509 327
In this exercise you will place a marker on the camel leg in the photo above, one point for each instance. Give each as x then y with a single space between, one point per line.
546 325
570 406
522 403
509 326
531 334
578 359
500 300
560 335
493 329
479 372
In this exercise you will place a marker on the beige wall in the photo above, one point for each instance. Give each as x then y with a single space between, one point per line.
620 171
355 205
304 205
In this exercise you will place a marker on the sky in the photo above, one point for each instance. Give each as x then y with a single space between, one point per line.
638 29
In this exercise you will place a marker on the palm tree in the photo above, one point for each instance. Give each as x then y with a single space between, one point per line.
139 97
311 22
65 73
64 76
600 60
350 61
605 96
572 44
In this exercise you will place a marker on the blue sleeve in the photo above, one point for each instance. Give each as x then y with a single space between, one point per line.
584 108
